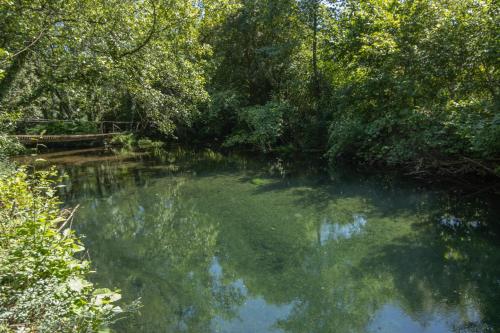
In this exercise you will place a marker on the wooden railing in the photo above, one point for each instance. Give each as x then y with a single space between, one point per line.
28 139
104 126
105 130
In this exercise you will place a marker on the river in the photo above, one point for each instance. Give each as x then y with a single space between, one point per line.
228 243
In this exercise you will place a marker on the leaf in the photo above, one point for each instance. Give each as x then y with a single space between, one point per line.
105 296
77 284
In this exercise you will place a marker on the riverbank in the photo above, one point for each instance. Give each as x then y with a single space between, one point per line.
462 174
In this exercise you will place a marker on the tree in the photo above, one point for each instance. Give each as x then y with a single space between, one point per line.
93 59
311 9
413 80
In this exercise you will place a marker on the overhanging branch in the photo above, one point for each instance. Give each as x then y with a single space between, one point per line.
147 39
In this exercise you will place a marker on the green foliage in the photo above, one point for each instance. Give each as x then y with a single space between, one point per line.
43 284
91 59
260 126
127 140
220 115
414 80
9 147
478 125
64 127
257 60
130 141
381 81
149 144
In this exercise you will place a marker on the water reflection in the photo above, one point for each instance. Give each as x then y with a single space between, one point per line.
336 231
392 319
227 244
252 315
154 247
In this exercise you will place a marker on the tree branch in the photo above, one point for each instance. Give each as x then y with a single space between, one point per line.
148 38
40 35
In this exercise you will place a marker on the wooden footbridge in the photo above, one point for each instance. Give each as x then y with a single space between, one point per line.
30 139
107 130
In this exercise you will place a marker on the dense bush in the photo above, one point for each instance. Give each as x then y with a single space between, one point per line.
43 286
259 126
9 146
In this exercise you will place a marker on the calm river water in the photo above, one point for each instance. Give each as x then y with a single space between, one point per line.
214 243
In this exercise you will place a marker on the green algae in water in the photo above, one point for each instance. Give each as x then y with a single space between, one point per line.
211 243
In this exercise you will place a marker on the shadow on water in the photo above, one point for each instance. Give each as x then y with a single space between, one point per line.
214 243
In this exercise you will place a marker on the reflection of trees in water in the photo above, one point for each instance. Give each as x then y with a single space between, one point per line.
97 181
280 260
153 246
340 284
456 268
343 288
158 242
101 175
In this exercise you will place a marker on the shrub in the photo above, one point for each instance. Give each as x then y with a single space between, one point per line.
9 146
260 126
124 140
43 286
149 144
